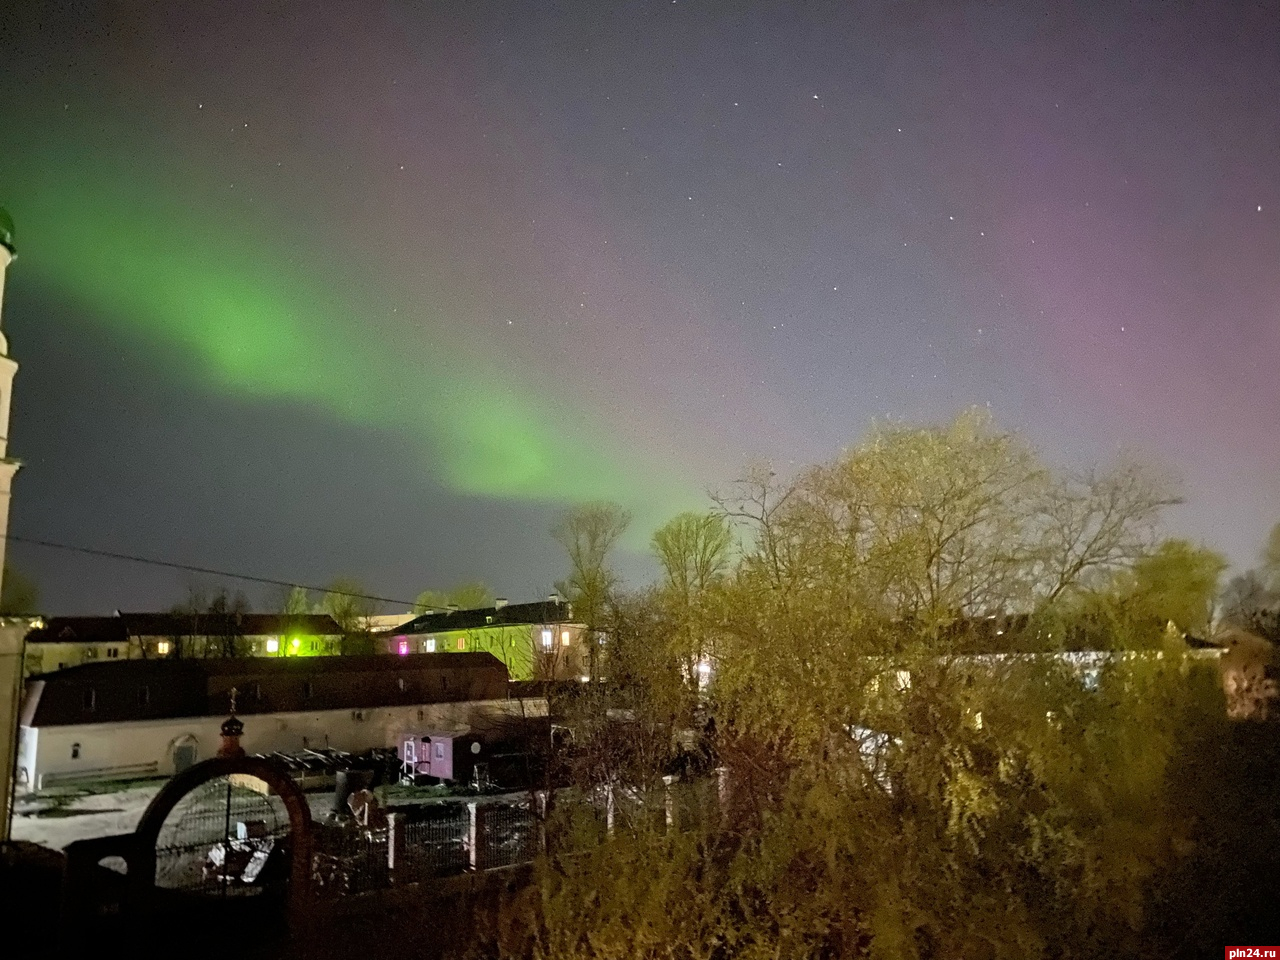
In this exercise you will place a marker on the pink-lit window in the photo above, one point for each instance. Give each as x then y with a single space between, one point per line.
403 648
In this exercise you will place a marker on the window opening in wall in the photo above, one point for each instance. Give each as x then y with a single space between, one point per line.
431 644
439 751
75 751
163 647
564 637
112 653
546 639
462 643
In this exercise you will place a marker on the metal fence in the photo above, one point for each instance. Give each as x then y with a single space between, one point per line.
223 838
447 839
434 846
414 846
349 860
507 835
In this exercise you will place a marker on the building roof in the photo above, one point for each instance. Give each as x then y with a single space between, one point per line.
80 630
513 614
128 690
230 624
122 626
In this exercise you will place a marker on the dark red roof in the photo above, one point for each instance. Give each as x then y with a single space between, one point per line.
124 690
122 626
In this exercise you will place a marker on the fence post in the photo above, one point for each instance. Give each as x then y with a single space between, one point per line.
395 842
669 801
475 836
722 791
609 811
540 812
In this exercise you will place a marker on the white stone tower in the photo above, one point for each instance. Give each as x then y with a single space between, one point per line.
8 368
12 630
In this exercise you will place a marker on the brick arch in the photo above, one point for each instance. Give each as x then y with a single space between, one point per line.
142 872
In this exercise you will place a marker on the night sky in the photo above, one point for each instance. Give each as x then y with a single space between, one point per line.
318 289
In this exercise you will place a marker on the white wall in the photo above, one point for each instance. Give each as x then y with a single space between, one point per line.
124 750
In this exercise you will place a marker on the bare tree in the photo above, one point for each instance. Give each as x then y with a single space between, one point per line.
347 601
589 533
695 552
464 596
297 602
1271 559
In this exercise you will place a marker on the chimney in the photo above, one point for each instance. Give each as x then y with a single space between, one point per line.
499 603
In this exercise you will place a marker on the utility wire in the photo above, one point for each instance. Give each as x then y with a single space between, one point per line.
13 538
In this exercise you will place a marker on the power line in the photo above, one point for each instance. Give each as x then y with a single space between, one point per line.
193 569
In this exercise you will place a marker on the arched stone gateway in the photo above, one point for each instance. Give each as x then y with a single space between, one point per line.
228 827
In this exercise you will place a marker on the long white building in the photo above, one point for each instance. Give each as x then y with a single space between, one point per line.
148 718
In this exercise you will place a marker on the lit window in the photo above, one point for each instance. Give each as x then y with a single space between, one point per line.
564 637
431 644
462 643
273 645
704 674
546 639
162 648
402 648
295 643
75 751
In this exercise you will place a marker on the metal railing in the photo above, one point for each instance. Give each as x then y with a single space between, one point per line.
449 839
506 834
349 861
434 846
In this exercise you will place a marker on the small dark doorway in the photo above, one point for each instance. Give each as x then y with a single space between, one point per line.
184 756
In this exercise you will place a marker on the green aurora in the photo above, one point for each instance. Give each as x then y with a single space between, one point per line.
257 320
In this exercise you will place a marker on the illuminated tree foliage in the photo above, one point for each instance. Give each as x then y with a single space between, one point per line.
892 787
695 553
